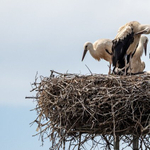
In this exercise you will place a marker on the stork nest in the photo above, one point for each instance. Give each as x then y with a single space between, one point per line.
77 108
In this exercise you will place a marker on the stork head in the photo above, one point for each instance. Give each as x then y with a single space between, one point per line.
144 40
145 29
87 46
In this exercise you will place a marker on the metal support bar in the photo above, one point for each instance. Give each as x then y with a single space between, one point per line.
116 143
135 142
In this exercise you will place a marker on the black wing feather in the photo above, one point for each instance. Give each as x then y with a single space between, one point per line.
120 48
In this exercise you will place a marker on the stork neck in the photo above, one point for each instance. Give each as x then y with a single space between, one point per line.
139 50
93 52
140 45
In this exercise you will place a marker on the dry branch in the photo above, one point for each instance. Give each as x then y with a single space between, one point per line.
70 105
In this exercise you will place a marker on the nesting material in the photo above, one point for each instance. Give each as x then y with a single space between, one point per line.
83 107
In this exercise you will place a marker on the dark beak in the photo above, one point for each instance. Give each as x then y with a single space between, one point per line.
84 53
145 47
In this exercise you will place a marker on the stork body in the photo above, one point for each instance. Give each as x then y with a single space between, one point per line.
126 41
100 49
136 64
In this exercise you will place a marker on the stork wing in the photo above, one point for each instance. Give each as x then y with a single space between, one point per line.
121 43
124 31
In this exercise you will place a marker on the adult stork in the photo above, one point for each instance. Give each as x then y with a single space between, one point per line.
100 49
136 64
126 41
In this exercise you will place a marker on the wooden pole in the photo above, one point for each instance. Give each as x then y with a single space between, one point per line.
116 143
135 142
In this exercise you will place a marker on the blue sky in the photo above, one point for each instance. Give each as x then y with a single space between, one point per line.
44 35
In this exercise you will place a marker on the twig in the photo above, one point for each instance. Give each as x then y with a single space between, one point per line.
32 97
89 70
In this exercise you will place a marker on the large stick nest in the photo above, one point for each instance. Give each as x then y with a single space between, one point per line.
98 107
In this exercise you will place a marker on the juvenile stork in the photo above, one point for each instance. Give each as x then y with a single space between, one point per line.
100 49
126 41
136 64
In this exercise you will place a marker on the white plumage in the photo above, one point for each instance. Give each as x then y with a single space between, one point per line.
136 64
100 49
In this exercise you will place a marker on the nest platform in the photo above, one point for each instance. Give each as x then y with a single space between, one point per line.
77 108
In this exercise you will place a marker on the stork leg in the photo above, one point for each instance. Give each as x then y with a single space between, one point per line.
130 64
109 69
125 73
114 70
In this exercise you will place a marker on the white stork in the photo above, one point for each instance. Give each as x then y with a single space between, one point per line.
126 41
136 64
100 49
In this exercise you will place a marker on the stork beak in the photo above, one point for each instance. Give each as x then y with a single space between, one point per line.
84 53
145 47
141 32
